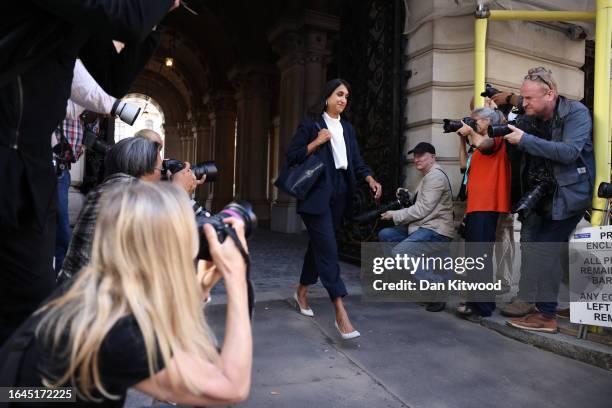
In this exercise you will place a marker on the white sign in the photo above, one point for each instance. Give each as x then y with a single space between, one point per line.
591 276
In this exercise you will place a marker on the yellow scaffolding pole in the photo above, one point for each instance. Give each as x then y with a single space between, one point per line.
601 103
480 56
527 15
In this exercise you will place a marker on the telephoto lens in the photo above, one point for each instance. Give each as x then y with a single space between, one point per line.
451 125
241 210
207 168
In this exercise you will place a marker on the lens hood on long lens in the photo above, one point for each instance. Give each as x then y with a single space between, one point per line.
451 125
499 130
604 190
243 210
208 169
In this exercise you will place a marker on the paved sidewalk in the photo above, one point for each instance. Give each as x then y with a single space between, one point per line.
406 356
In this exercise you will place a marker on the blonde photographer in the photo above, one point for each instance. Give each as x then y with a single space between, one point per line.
134 318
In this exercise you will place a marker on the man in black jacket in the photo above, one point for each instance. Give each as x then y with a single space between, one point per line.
39 43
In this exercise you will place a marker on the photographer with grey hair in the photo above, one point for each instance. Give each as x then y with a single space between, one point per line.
488 194
130 160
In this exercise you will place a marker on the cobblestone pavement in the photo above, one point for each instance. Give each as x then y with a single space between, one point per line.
276 264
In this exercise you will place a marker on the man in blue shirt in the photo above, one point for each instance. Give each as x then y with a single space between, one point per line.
560 163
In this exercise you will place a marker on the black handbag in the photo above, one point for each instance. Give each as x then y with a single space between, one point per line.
297 180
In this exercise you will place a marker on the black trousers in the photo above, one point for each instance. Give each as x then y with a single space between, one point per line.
26 271
480 227
321 259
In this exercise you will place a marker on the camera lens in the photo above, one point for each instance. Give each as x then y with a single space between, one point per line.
207 168
604 190
241 210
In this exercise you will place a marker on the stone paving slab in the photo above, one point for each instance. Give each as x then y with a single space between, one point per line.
405 357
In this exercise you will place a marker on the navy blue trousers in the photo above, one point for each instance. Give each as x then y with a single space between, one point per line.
480 226
321 260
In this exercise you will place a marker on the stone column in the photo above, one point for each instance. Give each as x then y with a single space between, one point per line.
301 44
222 116
204 152
275 159
172 141
253 85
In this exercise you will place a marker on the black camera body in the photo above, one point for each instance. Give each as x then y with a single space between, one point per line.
405 199
542 184
206 168
453 125
489 91
92 141
526 123
241 210
506 108
604 190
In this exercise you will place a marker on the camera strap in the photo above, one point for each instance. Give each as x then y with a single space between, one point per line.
247 260
450 187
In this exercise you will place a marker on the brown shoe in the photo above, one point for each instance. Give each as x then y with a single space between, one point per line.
563 313
517 308
535 322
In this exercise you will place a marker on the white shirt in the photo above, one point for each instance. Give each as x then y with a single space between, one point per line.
85 93
337 141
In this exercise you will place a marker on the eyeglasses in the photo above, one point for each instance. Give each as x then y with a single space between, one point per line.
539 77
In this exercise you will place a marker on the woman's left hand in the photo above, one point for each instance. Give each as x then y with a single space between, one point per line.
375 186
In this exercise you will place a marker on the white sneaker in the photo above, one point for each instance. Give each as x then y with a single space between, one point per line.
347 336
306 312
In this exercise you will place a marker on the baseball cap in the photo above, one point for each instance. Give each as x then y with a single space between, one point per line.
423 147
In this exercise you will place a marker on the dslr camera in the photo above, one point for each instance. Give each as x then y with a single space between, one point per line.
490 91
453 125
241 210
206 168
404 199
541 184
525 123
127 112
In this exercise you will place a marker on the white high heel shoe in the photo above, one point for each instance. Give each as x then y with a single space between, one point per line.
347 336
306 312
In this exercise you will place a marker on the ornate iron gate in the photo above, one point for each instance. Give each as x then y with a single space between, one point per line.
371 59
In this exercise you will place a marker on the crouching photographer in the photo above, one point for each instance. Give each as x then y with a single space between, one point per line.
134 318
430 218
557 175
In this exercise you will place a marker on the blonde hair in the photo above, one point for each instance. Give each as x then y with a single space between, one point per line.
150 135
142 265
542 75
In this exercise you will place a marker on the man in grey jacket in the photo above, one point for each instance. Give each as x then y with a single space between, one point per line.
430 218
563 150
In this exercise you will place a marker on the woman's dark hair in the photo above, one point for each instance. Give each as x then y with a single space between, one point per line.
135 156
319 107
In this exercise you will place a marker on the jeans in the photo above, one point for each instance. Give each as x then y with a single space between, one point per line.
62 232
407 245
540 281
